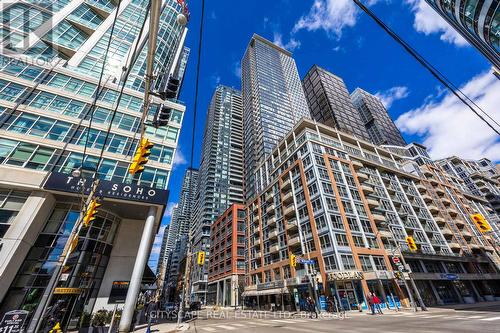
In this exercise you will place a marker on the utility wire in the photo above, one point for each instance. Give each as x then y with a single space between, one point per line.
438 75
99 88
118 100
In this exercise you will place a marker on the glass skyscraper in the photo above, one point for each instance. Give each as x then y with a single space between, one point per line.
478 21
378 123
273 102
220 176
330 103
51 57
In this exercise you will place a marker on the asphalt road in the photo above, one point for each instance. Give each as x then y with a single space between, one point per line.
401 322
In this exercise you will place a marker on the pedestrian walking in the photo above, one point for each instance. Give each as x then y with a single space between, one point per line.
371 304
376 304
312 308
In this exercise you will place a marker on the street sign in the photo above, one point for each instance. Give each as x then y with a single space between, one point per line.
305 261
449 276
395 260
13 321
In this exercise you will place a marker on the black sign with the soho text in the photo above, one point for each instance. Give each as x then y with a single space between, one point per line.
13 321
67 183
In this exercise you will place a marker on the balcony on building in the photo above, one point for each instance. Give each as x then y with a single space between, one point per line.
270 209
286 184
289 210
433 209
357 164
287 198
378 218
440 191
372 203
427 198
291 224
367 189
362 177
274 248
421 188
294 241
273 234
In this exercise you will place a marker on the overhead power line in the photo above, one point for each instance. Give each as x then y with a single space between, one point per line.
436 73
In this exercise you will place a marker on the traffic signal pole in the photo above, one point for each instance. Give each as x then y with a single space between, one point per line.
413 284
140 263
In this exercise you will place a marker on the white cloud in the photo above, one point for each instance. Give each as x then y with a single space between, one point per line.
332 16
179 158
237 69
393 94
428 21
168 210
290 46
448 127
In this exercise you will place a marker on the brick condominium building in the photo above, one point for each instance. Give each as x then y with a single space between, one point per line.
346 206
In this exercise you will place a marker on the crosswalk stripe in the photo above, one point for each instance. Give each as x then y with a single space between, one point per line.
490 319
259 323
298 321
476 317
239 325
226 327
210 329
281 321
301 329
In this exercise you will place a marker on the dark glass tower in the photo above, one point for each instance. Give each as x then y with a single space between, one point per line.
378 123
330 103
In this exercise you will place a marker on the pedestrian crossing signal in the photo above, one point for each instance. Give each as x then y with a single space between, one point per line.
201 258
411 243
141 156
293 260
481 224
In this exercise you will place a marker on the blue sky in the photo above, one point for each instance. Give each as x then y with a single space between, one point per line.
335 35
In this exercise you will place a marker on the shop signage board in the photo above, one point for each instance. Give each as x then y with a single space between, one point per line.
271 285
67 291
13 321
64 182
345 275
118 292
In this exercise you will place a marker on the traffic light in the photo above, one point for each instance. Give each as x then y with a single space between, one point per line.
91 212
141 156
201 258
398 275
172 87
411 243
482 225
170 90
293 260
162 116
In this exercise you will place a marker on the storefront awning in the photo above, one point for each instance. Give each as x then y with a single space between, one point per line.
274 291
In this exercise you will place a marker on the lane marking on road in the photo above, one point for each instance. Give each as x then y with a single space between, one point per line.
281 321
210 329
298 321
300 329
260 323
239 325
475 317
491 319
226 327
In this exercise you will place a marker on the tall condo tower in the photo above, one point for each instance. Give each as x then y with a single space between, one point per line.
273 102
221 175
330 103
476 21
378 123
52 129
